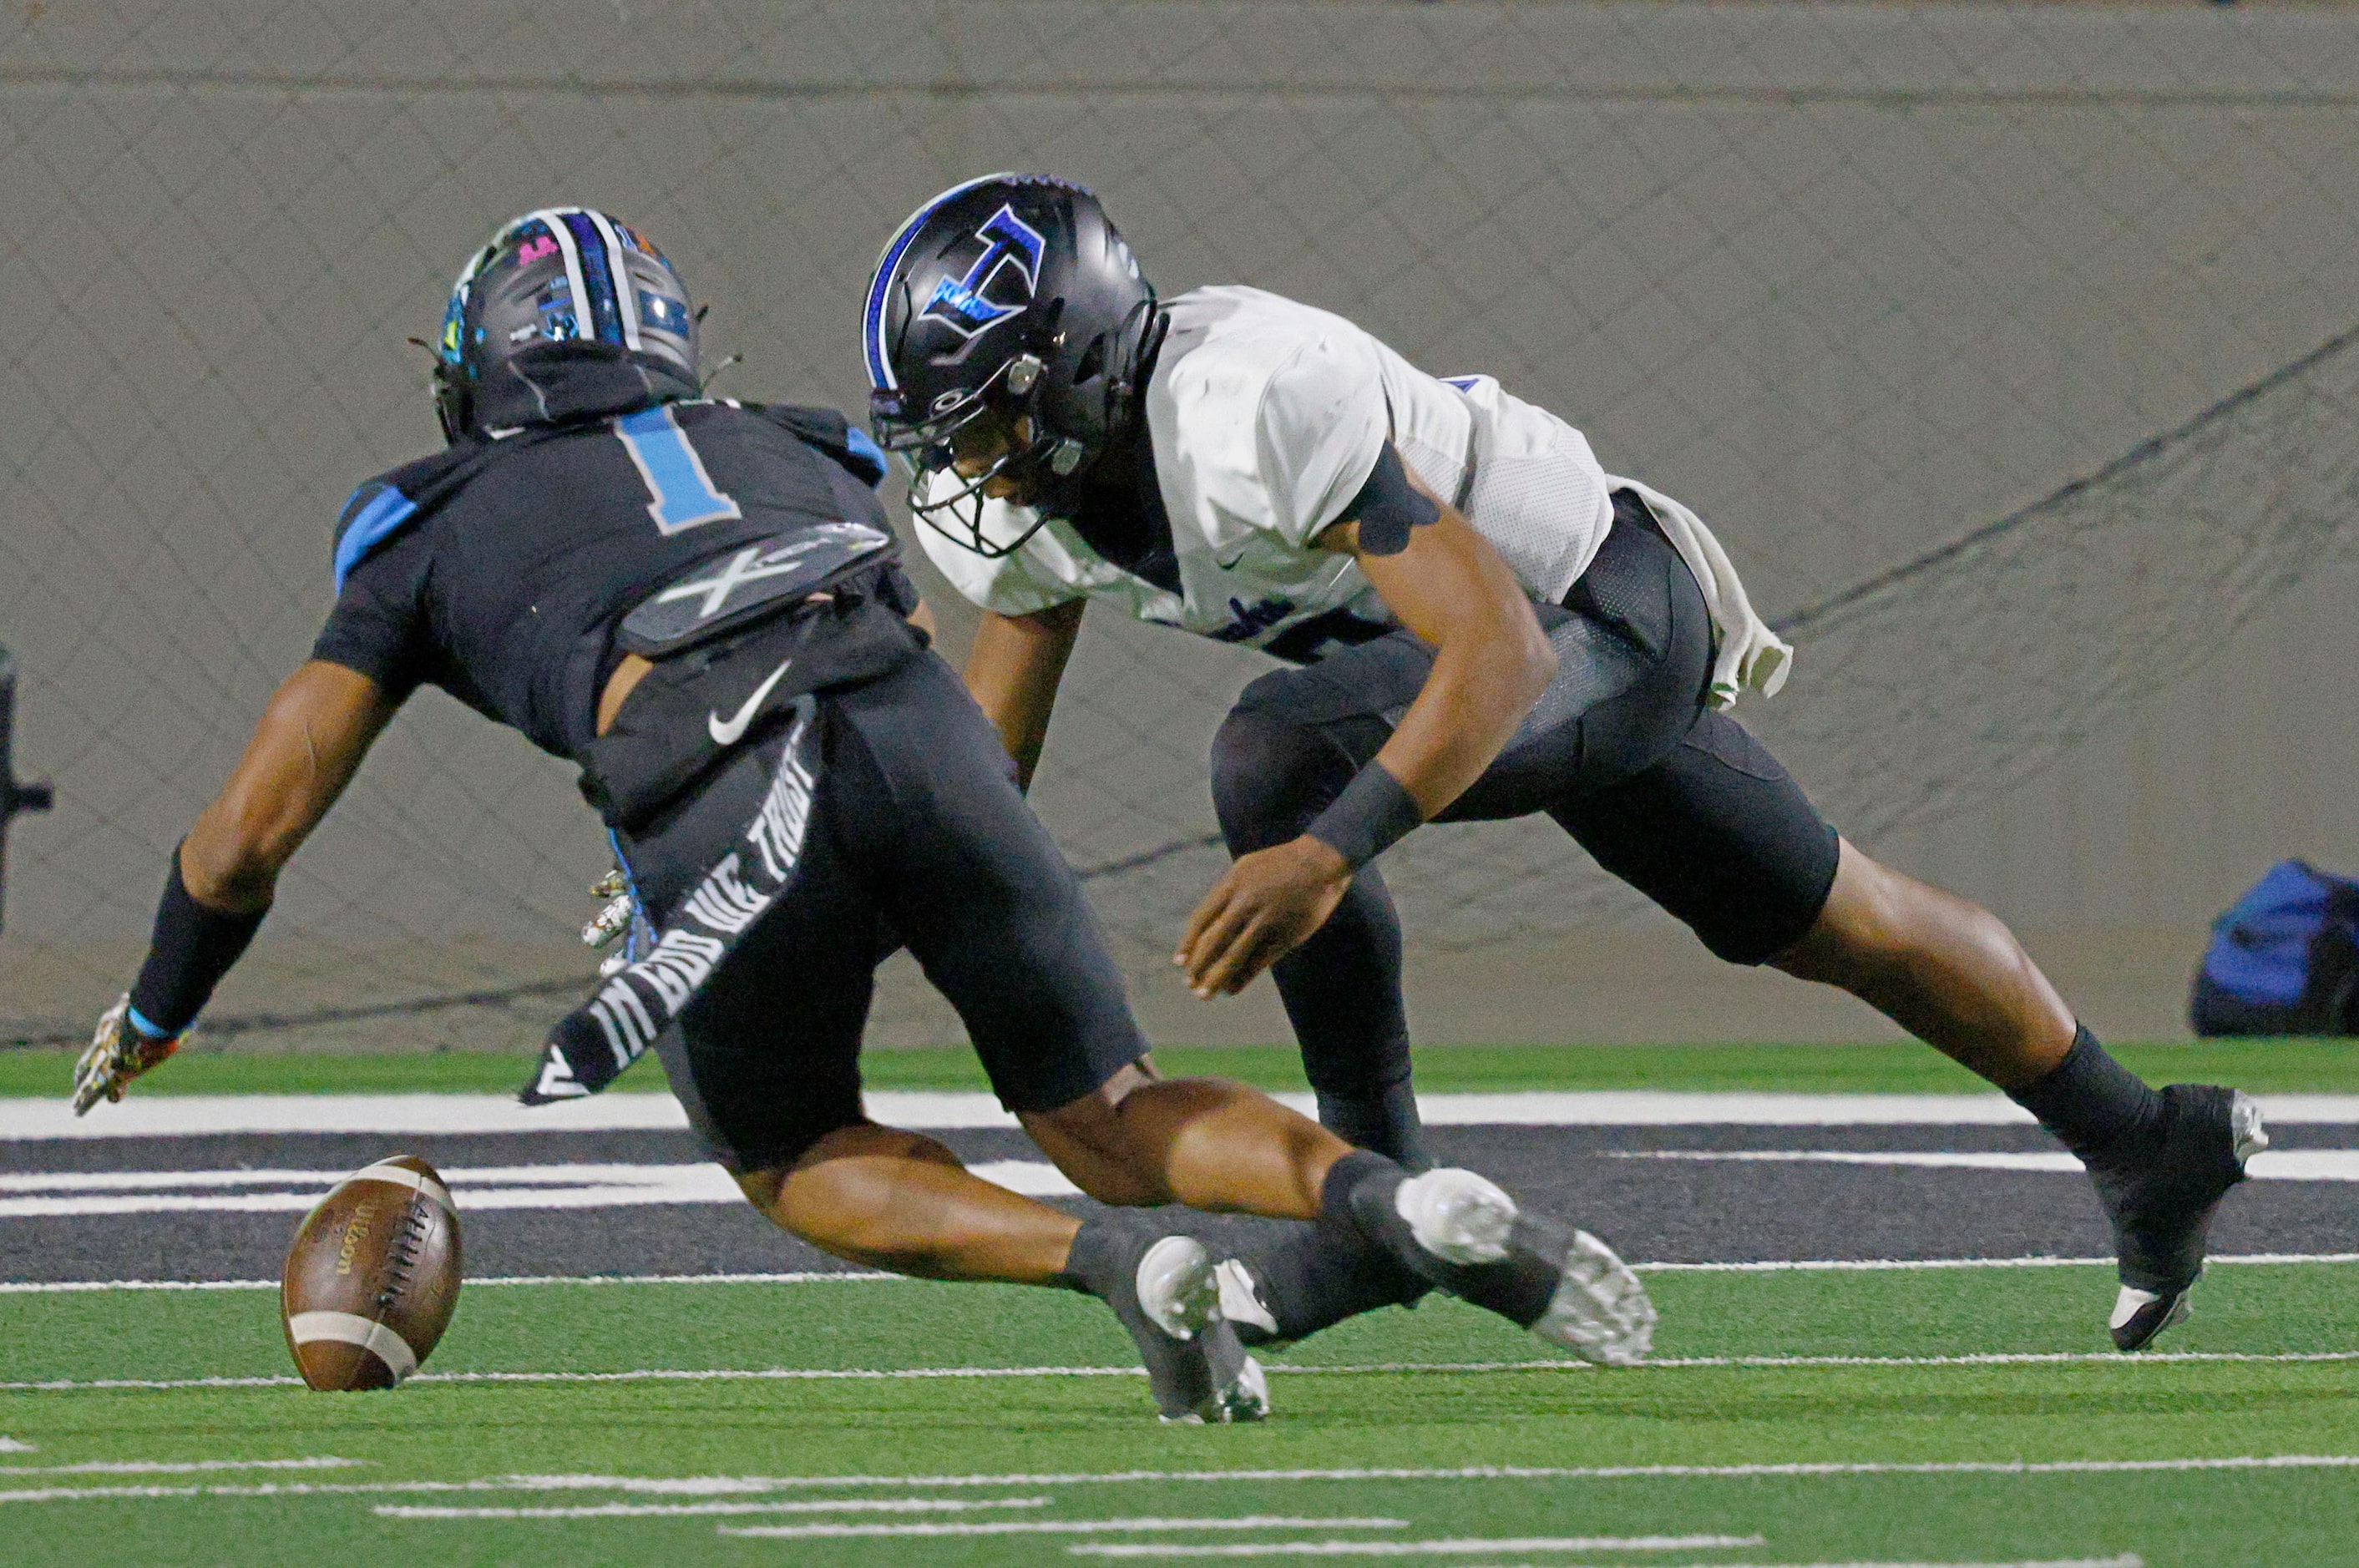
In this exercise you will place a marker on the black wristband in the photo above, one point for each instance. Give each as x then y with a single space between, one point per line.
1372 814
193 947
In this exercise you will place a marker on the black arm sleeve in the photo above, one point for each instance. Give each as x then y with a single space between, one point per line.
1388 506
378 626
193 947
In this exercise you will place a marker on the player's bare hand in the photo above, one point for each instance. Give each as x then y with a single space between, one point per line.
1263 907
118 1052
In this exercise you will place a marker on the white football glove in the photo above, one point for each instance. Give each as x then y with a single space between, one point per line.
118 1052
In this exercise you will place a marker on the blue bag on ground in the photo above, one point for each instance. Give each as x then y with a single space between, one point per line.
2284 959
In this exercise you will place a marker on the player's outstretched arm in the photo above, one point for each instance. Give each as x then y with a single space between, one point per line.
318 727
1013 672
1450 586
304 751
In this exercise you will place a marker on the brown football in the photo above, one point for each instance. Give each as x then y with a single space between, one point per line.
373 1277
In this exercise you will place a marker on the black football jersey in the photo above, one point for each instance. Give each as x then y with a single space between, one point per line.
497 570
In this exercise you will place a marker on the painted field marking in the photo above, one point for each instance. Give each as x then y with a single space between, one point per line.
164 1115
178 1467
742 1485
1871 1265
931 1374
867 1276
1049 1527
673 1510
2277 1165
478 1190
11 1445
1458 1547
1461 1547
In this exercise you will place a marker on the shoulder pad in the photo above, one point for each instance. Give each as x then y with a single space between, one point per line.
383 507
830 432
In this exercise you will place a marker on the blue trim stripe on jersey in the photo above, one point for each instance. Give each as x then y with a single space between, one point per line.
370 526
880 288
862 445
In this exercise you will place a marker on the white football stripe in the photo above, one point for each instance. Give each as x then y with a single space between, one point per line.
159 1115
350 1328
403 1176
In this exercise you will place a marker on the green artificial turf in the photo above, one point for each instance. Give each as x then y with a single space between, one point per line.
1067 1438
2272 1066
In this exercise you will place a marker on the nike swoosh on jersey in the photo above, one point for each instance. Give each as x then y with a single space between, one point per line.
725 731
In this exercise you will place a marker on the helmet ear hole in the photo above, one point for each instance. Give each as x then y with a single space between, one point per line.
1093 362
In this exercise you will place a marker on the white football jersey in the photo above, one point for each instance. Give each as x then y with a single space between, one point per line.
1266 419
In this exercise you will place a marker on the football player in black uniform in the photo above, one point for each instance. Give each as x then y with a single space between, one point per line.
698 603
1485 625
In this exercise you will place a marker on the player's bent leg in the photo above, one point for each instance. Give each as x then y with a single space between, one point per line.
897 1200
1947 970
1952 974
1210 1143
1342 989
1381 1237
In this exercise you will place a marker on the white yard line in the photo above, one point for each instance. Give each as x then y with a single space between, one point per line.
44 1194
477 1189
861 1277
164 1115
176 1467
1874 1265
675 1510
1460 1547
1463 1547
930 1374
2276 1165
740 1486
1048 1527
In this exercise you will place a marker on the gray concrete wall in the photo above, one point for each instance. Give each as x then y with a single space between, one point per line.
1851 279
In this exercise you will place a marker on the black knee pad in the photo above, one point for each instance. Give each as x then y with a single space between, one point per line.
1271 776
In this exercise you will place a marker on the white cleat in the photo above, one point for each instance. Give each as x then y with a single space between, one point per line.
1599 1311
1213 1381
1240 1300
1178 1288
1457 1215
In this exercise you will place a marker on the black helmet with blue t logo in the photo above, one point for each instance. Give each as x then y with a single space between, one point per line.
1012 295
553 287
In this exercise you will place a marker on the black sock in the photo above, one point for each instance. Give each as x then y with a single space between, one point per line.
1312 1276
1102 1245
1358 1199
2097 1106
1384 1122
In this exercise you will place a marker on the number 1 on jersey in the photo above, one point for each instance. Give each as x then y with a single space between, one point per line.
683 493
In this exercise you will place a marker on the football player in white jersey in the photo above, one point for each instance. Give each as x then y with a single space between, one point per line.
1482 623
